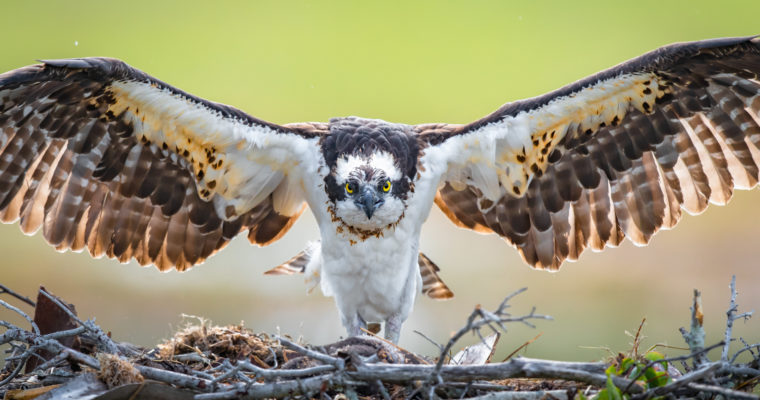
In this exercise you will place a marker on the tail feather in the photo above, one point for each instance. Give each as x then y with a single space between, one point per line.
432 285
296 265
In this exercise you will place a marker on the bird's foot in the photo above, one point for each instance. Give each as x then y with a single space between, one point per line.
393 328
356 326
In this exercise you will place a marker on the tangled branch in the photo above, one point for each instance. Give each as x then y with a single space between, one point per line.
277 367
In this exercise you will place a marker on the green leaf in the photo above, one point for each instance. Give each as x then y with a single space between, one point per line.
613 393
654 356
625 365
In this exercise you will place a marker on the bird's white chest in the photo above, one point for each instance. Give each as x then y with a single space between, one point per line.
377 277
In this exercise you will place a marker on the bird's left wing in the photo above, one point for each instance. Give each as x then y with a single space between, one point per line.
615 155
104 157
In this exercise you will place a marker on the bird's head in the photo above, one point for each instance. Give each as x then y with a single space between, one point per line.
370 176
368 200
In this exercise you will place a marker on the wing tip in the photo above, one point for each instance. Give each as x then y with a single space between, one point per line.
82 63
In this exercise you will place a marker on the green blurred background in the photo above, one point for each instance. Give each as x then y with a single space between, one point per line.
412 62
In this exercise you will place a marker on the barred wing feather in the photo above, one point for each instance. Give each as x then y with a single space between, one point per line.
104 157
619 154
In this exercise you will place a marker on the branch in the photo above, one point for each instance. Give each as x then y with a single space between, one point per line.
480 318
695 337
650 364
356 370
108 345
518 367
728 393
5 290
337 362
731 317
51 345
21 313
701 373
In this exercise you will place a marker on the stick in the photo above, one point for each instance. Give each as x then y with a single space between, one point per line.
728 393
21 313
337 362
731 317
6 290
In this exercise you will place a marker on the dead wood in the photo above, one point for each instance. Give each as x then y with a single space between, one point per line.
211 362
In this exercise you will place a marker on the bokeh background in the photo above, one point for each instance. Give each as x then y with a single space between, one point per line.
411 62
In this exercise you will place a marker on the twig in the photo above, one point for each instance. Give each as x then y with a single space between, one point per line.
433 342
62 334
5 290
701 373
59 358
108 345
244 379
748 348
191 357
337 362
695 337
479 318
21 313
522 346
514 368
382 390
21 361
728 393
637 338
650 364
285 373
51 345
389 343
520 395
731 317
478 386
175 378
268 390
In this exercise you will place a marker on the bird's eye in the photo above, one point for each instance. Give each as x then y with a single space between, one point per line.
350 187
387 186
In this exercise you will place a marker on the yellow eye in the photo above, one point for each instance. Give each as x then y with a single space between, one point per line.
387 186
349 188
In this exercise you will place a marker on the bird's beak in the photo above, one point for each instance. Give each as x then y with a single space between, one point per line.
369 201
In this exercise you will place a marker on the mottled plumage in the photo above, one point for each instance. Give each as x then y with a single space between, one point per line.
615 155
104 157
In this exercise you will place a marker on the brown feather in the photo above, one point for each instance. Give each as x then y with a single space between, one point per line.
630 174
432 285
70 165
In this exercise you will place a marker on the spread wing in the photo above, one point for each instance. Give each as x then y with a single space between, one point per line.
104 157
619 154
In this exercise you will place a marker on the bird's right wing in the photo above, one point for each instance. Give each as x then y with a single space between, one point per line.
618 154
104 157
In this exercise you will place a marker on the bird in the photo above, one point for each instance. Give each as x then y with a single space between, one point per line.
104 157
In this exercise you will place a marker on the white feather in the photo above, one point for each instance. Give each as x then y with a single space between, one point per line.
380 160
506 146
256 157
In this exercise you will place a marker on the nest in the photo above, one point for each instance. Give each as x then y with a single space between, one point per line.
66 357
215 343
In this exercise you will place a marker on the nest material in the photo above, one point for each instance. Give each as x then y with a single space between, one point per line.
115 372
231 361
231 342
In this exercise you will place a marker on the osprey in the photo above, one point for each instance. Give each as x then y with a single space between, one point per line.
104 157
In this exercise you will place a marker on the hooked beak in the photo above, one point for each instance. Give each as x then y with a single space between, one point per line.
369 201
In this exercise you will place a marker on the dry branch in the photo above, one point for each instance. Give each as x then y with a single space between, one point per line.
365 365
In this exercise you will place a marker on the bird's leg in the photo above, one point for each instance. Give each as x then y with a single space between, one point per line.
356 325
393 328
